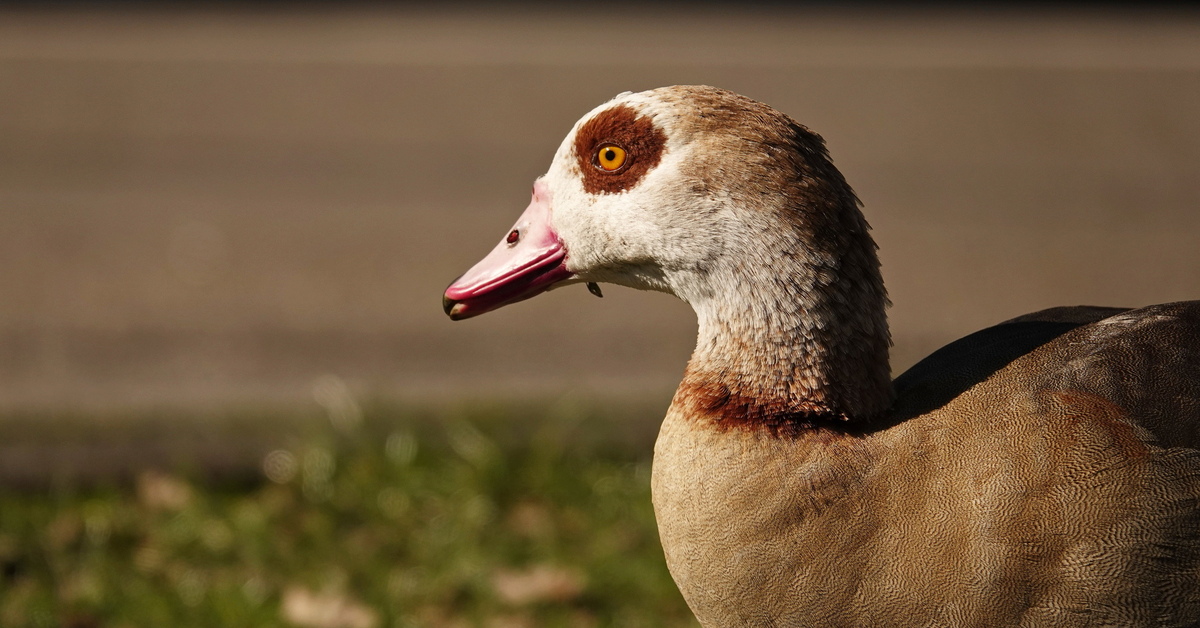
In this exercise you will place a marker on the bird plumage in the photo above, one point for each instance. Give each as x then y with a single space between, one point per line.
1041 472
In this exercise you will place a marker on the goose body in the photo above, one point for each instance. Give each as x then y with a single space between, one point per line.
1041 472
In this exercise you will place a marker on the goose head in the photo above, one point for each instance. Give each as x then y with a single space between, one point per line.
725 203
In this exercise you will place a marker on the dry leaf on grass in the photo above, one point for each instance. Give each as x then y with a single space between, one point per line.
159 491
540 583
325 610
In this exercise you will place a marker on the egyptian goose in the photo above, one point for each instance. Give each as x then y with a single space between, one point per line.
1042 472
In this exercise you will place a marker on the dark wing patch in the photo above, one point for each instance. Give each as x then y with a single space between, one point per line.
956 367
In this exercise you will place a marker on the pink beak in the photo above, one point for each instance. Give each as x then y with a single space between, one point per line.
526 263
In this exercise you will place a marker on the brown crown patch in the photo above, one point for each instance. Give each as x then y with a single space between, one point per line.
622 126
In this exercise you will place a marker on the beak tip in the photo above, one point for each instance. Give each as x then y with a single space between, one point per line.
454 309
448 303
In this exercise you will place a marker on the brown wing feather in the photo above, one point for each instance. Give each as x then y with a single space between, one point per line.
1146 361
956 367
1103 409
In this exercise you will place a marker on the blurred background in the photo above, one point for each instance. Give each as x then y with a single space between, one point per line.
225 230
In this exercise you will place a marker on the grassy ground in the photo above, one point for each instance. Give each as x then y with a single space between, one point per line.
485 516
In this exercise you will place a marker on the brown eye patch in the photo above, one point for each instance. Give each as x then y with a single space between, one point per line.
620 126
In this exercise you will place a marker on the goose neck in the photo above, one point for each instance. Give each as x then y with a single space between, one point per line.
786 347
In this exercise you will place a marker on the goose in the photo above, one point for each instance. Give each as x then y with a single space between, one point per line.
1040 472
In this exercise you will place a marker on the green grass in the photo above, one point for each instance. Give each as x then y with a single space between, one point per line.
498 516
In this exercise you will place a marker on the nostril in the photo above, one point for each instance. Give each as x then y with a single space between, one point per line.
513 236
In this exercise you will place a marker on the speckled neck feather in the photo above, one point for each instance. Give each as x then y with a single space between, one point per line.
792 326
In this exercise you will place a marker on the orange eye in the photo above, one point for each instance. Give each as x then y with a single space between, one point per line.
610 157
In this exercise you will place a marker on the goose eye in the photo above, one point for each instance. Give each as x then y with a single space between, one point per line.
610 157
